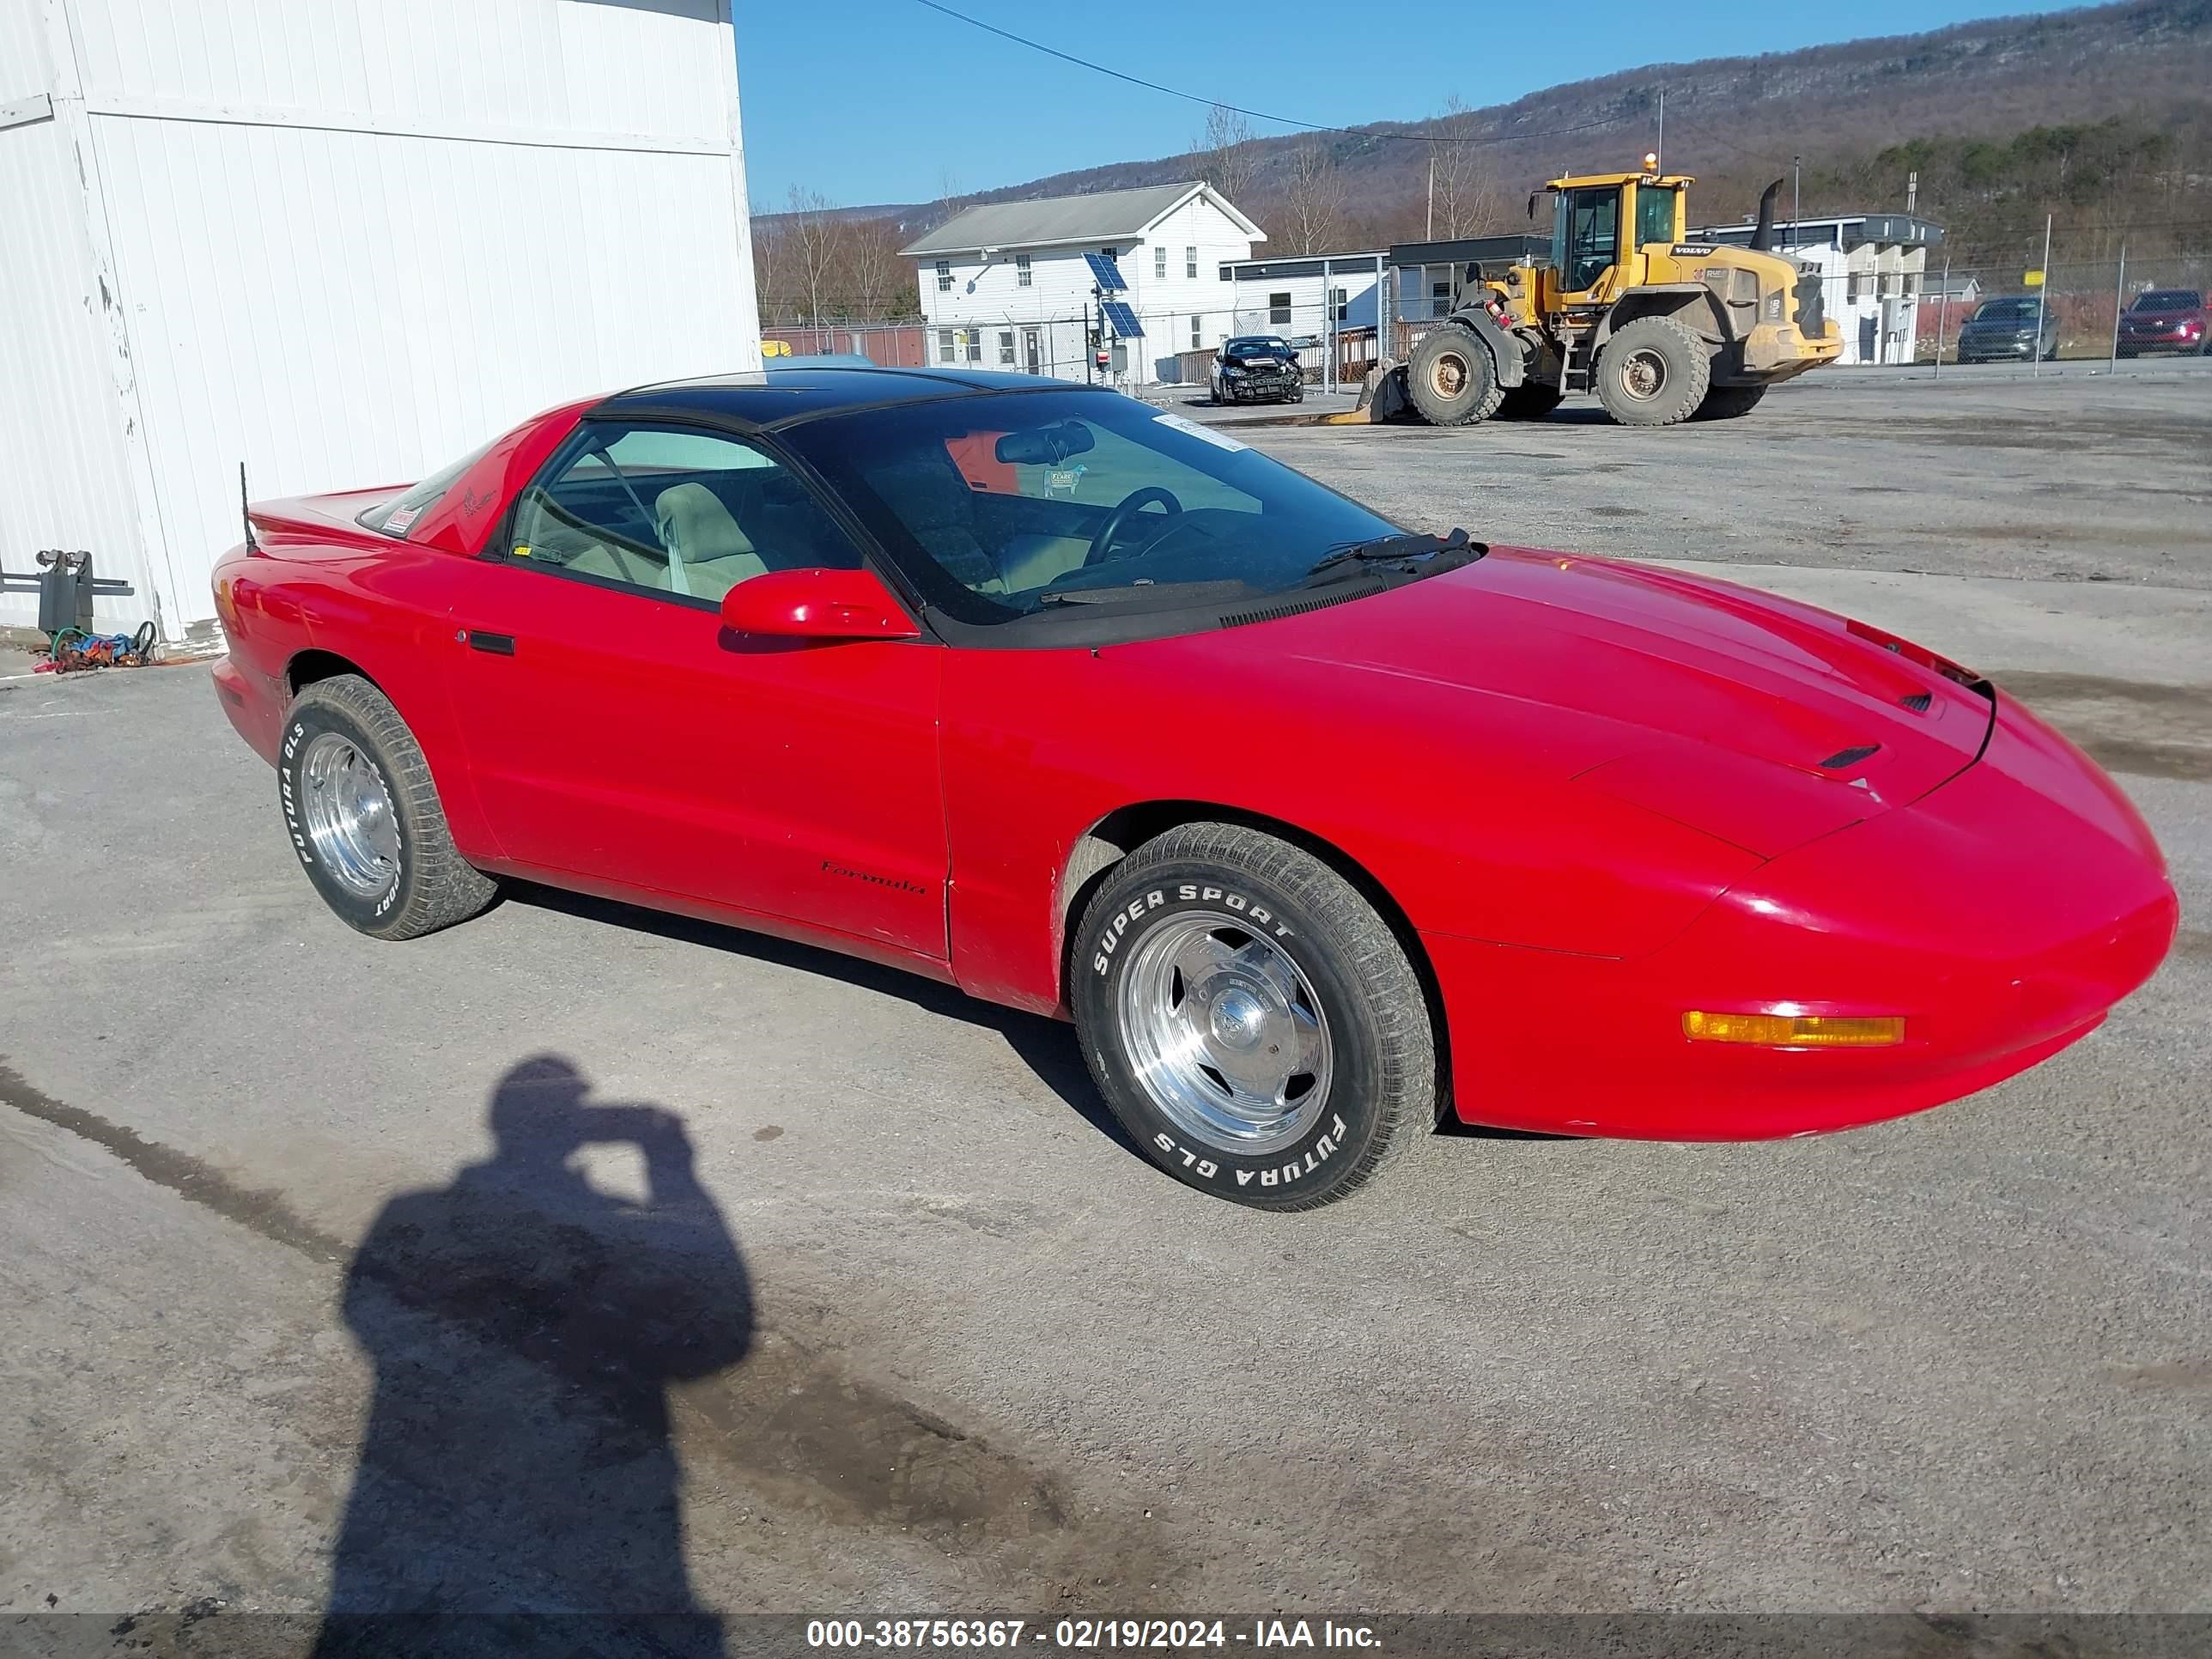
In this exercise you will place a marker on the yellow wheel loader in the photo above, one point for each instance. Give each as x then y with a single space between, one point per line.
1663 328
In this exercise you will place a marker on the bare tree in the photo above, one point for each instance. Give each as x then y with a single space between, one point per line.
817 247
1314 202
876 269
1466 198
768 267
1230 152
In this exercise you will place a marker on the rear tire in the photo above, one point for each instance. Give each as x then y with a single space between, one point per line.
1653 372
1532 400
1726 402
1450 377
364 817
1250 1020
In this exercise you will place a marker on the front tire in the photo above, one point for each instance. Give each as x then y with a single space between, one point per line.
1450 377
364 815
1653 372
1251 1021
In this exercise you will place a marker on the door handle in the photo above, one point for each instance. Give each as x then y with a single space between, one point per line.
499 644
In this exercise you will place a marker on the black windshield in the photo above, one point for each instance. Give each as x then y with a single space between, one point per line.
998 507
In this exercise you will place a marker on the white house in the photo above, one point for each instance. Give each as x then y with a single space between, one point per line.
343 243
1005 286
1871 265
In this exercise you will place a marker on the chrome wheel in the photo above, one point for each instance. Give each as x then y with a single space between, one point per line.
1643 376
349 815
1225 1033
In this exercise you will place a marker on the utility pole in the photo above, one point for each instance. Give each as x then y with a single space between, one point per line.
2119 299
1796 197
2042 297
1429 231
1942 311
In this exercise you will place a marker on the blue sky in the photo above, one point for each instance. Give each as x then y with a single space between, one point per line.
876 100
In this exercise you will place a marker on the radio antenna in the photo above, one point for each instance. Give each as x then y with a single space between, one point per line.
245 512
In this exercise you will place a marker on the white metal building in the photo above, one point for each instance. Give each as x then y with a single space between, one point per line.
344 243
1005 285
1871 265
1304 298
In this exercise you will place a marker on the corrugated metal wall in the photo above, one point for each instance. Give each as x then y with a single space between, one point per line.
64 480
351 240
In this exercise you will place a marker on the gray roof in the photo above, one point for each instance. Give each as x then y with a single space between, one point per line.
1108 215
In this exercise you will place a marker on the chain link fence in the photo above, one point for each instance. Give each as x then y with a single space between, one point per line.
1928 308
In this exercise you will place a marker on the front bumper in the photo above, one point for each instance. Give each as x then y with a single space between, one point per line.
1997 350
2002 915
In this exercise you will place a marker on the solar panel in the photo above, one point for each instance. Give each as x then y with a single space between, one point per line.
1122 320
1105 273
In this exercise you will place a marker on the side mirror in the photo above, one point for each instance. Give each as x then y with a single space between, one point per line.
815 605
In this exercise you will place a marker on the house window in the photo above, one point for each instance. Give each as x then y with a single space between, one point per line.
1227 275
1912 285
1006 347
1279 310
945 275
1341 300
1440 299
1854 286
1160 262
1197 337
974 339
944 345
1190 262
1111 252
1021 271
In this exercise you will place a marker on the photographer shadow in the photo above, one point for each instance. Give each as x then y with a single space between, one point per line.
517 1490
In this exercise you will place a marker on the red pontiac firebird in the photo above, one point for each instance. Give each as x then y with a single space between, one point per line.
1314 827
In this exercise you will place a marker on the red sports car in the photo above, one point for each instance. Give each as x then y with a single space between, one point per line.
1316 827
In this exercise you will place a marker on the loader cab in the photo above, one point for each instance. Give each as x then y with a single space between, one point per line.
1589 216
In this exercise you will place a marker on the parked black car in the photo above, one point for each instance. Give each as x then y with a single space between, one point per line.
2005 330
2167 319
1257 368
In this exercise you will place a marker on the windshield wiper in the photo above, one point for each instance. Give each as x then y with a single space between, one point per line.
1186 593
1414 554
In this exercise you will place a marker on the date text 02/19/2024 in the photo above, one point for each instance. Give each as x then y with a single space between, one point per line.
1085 1635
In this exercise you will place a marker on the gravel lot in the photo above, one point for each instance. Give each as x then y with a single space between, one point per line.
969 1351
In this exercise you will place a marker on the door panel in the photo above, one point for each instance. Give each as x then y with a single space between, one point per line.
632 740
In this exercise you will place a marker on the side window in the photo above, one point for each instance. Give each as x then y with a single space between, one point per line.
1592 235
672 511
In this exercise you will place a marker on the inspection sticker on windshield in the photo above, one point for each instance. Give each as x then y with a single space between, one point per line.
1199 429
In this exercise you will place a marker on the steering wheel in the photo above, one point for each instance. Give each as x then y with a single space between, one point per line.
1102 544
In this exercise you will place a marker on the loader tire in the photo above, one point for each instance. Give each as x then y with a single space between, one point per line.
1655 372
1725 403
1450 377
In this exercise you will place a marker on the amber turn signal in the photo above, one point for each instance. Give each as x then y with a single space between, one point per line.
1795 1030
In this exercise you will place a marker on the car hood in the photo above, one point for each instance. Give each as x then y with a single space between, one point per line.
1754 718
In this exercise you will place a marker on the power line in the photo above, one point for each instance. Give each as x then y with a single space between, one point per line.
1261 115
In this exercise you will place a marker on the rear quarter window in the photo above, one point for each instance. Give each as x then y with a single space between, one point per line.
399 515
